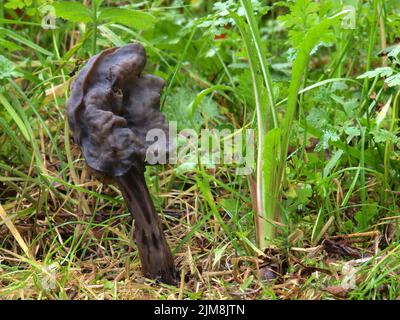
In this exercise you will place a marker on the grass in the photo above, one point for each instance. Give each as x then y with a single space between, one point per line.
327 146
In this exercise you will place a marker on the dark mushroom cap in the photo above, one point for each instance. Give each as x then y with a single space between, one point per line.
112 107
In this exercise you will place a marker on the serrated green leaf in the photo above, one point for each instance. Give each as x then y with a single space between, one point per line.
7 69
328 136
352 131
383 135
393 80
318 118
381 72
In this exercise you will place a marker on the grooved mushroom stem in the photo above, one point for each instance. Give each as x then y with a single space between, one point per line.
155 254
111 109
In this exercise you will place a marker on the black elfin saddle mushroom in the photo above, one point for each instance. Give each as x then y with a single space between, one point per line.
110 110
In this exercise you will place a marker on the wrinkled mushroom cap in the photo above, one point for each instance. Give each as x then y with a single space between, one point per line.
112 107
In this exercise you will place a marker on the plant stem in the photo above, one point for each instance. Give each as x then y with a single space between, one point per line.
94 36
249 13
1 12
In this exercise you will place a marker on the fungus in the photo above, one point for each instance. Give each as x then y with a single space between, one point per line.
111 108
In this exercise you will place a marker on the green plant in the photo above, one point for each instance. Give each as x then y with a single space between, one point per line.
31 7
307 31
97 15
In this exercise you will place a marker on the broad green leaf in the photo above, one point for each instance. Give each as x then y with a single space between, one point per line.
73 11
15 4
270 160
131 18
270 157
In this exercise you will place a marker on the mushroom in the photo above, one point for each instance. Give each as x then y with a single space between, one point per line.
111 108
